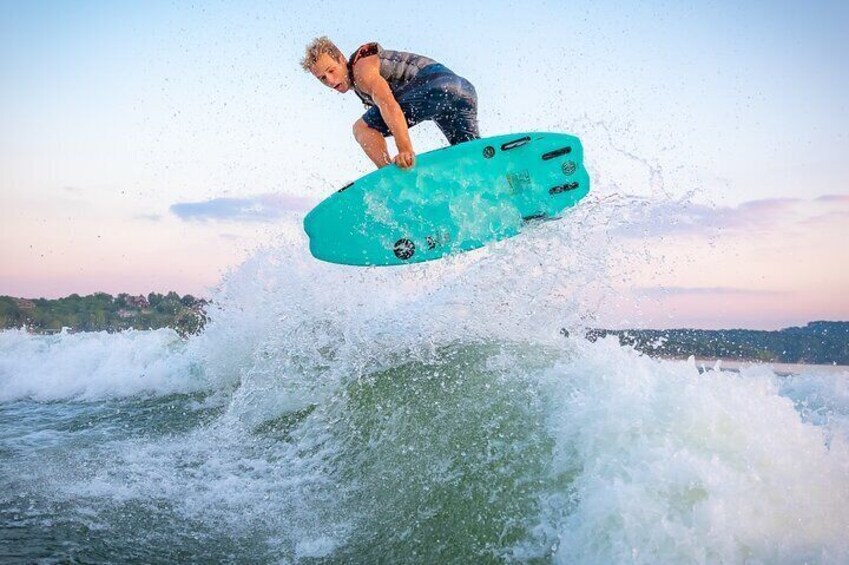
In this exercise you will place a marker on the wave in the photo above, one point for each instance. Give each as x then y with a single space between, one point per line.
437 413
93 365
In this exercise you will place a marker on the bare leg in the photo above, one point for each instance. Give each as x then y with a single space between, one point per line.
372 142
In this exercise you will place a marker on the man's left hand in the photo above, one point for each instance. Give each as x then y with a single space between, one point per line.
405 159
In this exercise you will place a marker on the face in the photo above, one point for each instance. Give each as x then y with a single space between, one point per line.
331 72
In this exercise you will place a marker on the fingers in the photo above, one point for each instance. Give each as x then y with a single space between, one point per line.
405 160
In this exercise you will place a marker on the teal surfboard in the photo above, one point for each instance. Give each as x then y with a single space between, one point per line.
455 199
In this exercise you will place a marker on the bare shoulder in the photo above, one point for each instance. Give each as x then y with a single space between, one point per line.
367 71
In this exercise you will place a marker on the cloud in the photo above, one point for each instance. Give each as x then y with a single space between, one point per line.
261 208
835 198
706 291
149 217
637 218
647 219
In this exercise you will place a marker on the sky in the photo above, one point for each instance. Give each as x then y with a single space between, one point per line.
152 146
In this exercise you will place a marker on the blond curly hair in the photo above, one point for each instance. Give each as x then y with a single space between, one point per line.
318 46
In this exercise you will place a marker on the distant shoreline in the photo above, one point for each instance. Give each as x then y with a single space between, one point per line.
780 369
818 343
103 312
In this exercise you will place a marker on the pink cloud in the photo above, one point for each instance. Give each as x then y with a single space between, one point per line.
691 219
716 291
261 208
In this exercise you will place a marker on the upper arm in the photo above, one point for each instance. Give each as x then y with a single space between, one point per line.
368 79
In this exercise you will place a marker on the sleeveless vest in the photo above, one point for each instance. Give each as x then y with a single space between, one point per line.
396 67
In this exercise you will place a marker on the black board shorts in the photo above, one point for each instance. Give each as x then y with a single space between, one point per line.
437 94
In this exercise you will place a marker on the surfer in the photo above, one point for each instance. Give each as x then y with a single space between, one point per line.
400 90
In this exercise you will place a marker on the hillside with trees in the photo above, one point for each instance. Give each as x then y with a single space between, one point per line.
821 342
103 312
816 343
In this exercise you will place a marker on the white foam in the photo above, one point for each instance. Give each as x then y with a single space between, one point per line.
676 466
93 365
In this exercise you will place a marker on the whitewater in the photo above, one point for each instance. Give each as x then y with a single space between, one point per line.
449 412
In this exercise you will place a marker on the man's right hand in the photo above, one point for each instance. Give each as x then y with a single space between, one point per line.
405 159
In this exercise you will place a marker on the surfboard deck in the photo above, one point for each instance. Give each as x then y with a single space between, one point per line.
455 199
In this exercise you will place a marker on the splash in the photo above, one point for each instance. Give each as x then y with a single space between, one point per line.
430 413
94 365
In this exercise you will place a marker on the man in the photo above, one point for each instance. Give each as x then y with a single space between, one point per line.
400 90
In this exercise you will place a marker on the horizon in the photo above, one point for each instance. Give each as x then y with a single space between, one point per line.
153 145
209 300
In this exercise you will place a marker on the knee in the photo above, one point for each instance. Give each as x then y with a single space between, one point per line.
359 129
362 132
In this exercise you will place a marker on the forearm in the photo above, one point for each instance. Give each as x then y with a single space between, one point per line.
397 123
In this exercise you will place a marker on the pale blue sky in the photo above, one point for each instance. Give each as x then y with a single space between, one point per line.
750 93
116 115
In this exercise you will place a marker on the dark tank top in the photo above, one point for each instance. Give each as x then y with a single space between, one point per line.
396 67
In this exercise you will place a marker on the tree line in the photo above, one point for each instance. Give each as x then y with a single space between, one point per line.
103 312
817 342
821 343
